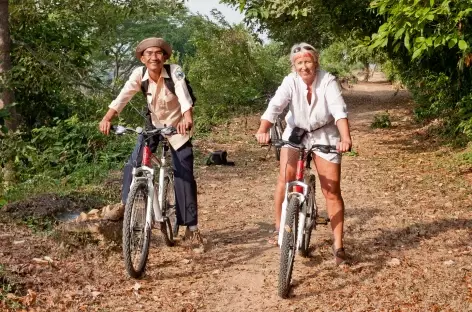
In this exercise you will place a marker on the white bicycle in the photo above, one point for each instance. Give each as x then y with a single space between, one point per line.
151 201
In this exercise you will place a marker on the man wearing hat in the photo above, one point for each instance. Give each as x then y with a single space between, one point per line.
165 108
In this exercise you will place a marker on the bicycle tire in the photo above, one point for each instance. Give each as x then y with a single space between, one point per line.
135 210
312 212
276 134
168 211
289 246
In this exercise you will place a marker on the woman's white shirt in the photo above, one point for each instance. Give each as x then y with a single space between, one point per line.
318 117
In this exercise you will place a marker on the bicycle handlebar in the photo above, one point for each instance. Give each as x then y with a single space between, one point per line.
315 147
119 130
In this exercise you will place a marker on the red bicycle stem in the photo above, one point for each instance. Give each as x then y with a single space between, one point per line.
300 171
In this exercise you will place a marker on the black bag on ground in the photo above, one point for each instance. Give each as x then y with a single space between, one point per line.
218 158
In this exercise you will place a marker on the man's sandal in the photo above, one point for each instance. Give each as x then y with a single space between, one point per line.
274 240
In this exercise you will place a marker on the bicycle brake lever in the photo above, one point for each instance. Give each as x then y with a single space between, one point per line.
118 129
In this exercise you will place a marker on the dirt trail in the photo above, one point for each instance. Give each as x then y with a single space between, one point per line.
408 232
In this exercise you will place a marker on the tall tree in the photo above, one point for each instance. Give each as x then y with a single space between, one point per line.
6 96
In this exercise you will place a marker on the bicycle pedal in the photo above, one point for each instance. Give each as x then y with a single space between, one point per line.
322 220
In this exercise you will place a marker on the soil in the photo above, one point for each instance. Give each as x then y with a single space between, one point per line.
408 232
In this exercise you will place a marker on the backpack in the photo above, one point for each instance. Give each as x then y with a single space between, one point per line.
169 84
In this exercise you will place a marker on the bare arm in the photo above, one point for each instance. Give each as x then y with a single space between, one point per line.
345 144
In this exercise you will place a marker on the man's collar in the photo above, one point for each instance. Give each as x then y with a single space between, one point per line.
164 74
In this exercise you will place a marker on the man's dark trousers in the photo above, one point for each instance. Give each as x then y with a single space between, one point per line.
184 181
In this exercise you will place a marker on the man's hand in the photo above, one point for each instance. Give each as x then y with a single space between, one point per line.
262 138
105 126
344 146
185 125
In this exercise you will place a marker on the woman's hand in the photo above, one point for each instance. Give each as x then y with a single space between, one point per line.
262 138
344 146
262 135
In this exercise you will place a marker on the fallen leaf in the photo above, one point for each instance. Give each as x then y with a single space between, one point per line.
393 262
136 287
29 299
49 259
40 261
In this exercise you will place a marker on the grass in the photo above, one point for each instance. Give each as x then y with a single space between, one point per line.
7 287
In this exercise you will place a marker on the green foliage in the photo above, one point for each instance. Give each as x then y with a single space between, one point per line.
314 21
229 71
39 225
423 26
351 153
71 152
382 121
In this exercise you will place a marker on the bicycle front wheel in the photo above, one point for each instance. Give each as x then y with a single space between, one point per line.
289 246
168 211
136 234
311 214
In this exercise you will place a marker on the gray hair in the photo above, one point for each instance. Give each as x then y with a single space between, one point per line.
304 47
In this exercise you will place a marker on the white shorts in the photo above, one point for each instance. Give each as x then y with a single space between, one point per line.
310 139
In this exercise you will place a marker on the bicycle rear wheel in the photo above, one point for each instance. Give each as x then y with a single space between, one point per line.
136 234
289 247
311 214
168 211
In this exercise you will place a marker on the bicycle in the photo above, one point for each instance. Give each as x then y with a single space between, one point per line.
147 191
301 216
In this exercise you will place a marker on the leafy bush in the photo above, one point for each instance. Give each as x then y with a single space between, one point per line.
71 151
381 121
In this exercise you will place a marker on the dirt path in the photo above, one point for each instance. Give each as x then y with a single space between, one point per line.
408 231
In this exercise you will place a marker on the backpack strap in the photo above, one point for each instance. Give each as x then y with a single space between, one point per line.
146 111
144 83
168 81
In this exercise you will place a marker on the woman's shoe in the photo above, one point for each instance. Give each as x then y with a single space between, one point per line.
339 255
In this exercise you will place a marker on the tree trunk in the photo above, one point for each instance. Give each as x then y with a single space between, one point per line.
366 71
6 97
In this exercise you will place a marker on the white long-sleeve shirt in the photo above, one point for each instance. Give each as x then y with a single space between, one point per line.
318 117
166 108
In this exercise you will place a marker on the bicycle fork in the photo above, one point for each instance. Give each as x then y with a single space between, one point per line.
300 189
159 197
301 213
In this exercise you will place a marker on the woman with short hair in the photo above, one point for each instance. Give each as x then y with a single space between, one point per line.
316 105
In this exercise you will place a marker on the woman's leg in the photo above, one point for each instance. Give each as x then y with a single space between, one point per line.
330 180
288 166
